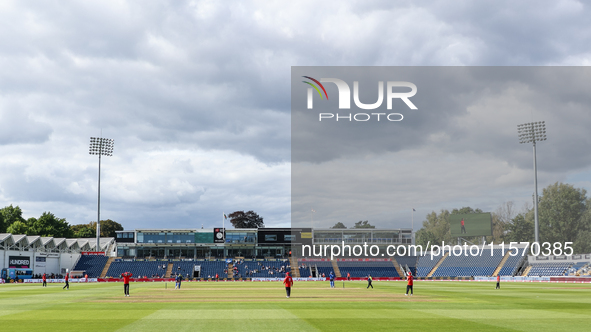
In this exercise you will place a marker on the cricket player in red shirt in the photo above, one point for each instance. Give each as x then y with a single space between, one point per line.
288 282
409 284
44 280
126 277
67 285
463 230
498 281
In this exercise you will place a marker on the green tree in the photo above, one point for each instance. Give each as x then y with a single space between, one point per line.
49 225
501 220
250 219
423 236
18 227
435 228
339 225
108 227
560 210
466 210
363 224
582 244
521 228
10 215
83 231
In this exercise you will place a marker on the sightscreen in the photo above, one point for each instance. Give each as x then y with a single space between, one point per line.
471 224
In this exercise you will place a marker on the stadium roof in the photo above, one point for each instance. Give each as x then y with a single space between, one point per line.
50 244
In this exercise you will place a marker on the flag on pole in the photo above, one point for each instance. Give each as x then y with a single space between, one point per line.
413 210
225 217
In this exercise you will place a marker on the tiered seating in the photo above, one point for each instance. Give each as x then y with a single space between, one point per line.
324 267
573 269
93 265
305 272
548 269
137 268
425 264
465 266
512 263
261 269
210 268
184 268
410 261
360 269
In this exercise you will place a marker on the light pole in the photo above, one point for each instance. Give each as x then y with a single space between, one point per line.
412 234
101 147
533 132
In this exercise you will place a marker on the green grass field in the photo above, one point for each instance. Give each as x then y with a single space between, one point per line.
250 306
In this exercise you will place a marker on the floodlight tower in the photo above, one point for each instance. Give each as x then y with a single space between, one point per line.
533 132
101 147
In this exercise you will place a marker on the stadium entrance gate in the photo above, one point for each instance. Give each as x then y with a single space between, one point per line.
196 271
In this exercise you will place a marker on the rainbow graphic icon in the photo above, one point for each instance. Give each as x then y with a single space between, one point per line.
316 88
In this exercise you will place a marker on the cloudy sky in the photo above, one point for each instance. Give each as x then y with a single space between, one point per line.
459 147
196 95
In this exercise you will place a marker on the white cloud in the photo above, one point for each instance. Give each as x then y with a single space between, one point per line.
196 95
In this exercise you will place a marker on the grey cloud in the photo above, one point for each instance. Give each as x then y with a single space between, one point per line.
195 76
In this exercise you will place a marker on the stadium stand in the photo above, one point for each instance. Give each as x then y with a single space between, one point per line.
210 268
92 265
408 261
549 269
425 264
262 269
422 266
573 270
137 268
466 266
322 267
183 268
360 269
513 263
304 269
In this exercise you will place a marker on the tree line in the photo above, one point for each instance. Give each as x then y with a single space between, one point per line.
564 215
12 221
359 224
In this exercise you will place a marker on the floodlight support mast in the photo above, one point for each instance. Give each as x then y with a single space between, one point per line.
100 146
98 209
536 222
533 132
